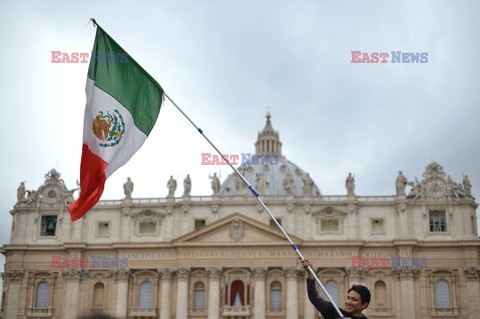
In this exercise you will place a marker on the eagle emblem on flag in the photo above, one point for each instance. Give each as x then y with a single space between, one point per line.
109 128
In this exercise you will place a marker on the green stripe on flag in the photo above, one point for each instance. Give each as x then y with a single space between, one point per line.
127 82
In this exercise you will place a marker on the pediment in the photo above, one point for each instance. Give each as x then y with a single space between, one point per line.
235 229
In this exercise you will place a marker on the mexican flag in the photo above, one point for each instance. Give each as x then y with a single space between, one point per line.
123 103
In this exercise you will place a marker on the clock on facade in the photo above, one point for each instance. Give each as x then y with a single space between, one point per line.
52 194
436 187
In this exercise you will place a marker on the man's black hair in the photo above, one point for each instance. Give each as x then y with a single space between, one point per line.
363 292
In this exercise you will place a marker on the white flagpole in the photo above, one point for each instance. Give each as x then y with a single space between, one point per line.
257 196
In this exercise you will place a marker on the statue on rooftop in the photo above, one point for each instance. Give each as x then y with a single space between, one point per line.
128 188
350 185
172 186
187 186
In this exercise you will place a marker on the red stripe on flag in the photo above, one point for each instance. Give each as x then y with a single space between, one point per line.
92 182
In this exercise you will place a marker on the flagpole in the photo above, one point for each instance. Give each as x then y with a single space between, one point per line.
257 196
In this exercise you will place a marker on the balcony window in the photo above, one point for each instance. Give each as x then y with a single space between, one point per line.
199 296
41 297
145 295
98 295
332 288
276 296
442 294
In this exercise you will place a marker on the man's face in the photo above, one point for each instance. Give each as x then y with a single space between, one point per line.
354 304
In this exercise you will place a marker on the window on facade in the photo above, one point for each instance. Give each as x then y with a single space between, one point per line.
438 222
145 295
147 227
332 288
199 223
199 296
48 226
237 293
442 294
98 295
272 223
41 297
377 226
276 296
380 294
329 225
103 229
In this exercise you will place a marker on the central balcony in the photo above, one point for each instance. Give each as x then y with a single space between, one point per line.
142 312
242 311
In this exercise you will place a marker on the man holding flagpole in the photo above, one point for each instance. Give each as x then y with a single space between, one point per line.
358 299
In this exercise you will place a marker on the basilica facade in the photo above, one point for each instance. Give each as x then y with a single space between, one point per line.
221 257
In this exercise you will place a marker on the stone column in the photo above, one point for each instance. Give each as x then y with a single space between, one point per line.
353 223
72 277
182 293
472 275
121 277
308 308
165 296
403 220
76 231
259 288
125 224
14 278
292 292
407 292
213 293
308 223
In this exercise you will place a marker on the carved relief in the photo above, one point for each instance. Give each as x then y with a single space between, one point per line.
183 273
121 275
307 209
53 192
214 272
215 208
329 212
166 273
291 272
15 275
406 273
74 275
437 185
472 273
148 215
259 272
237 230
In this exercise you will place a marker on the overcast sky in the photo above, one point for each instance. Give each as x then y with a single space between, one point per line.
225 62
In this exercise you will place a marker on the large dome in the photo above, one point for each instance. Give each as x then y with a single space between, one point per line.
277 177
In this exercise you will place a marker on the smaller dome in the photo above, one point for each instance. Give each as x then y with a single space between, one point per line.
273 175
281 179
